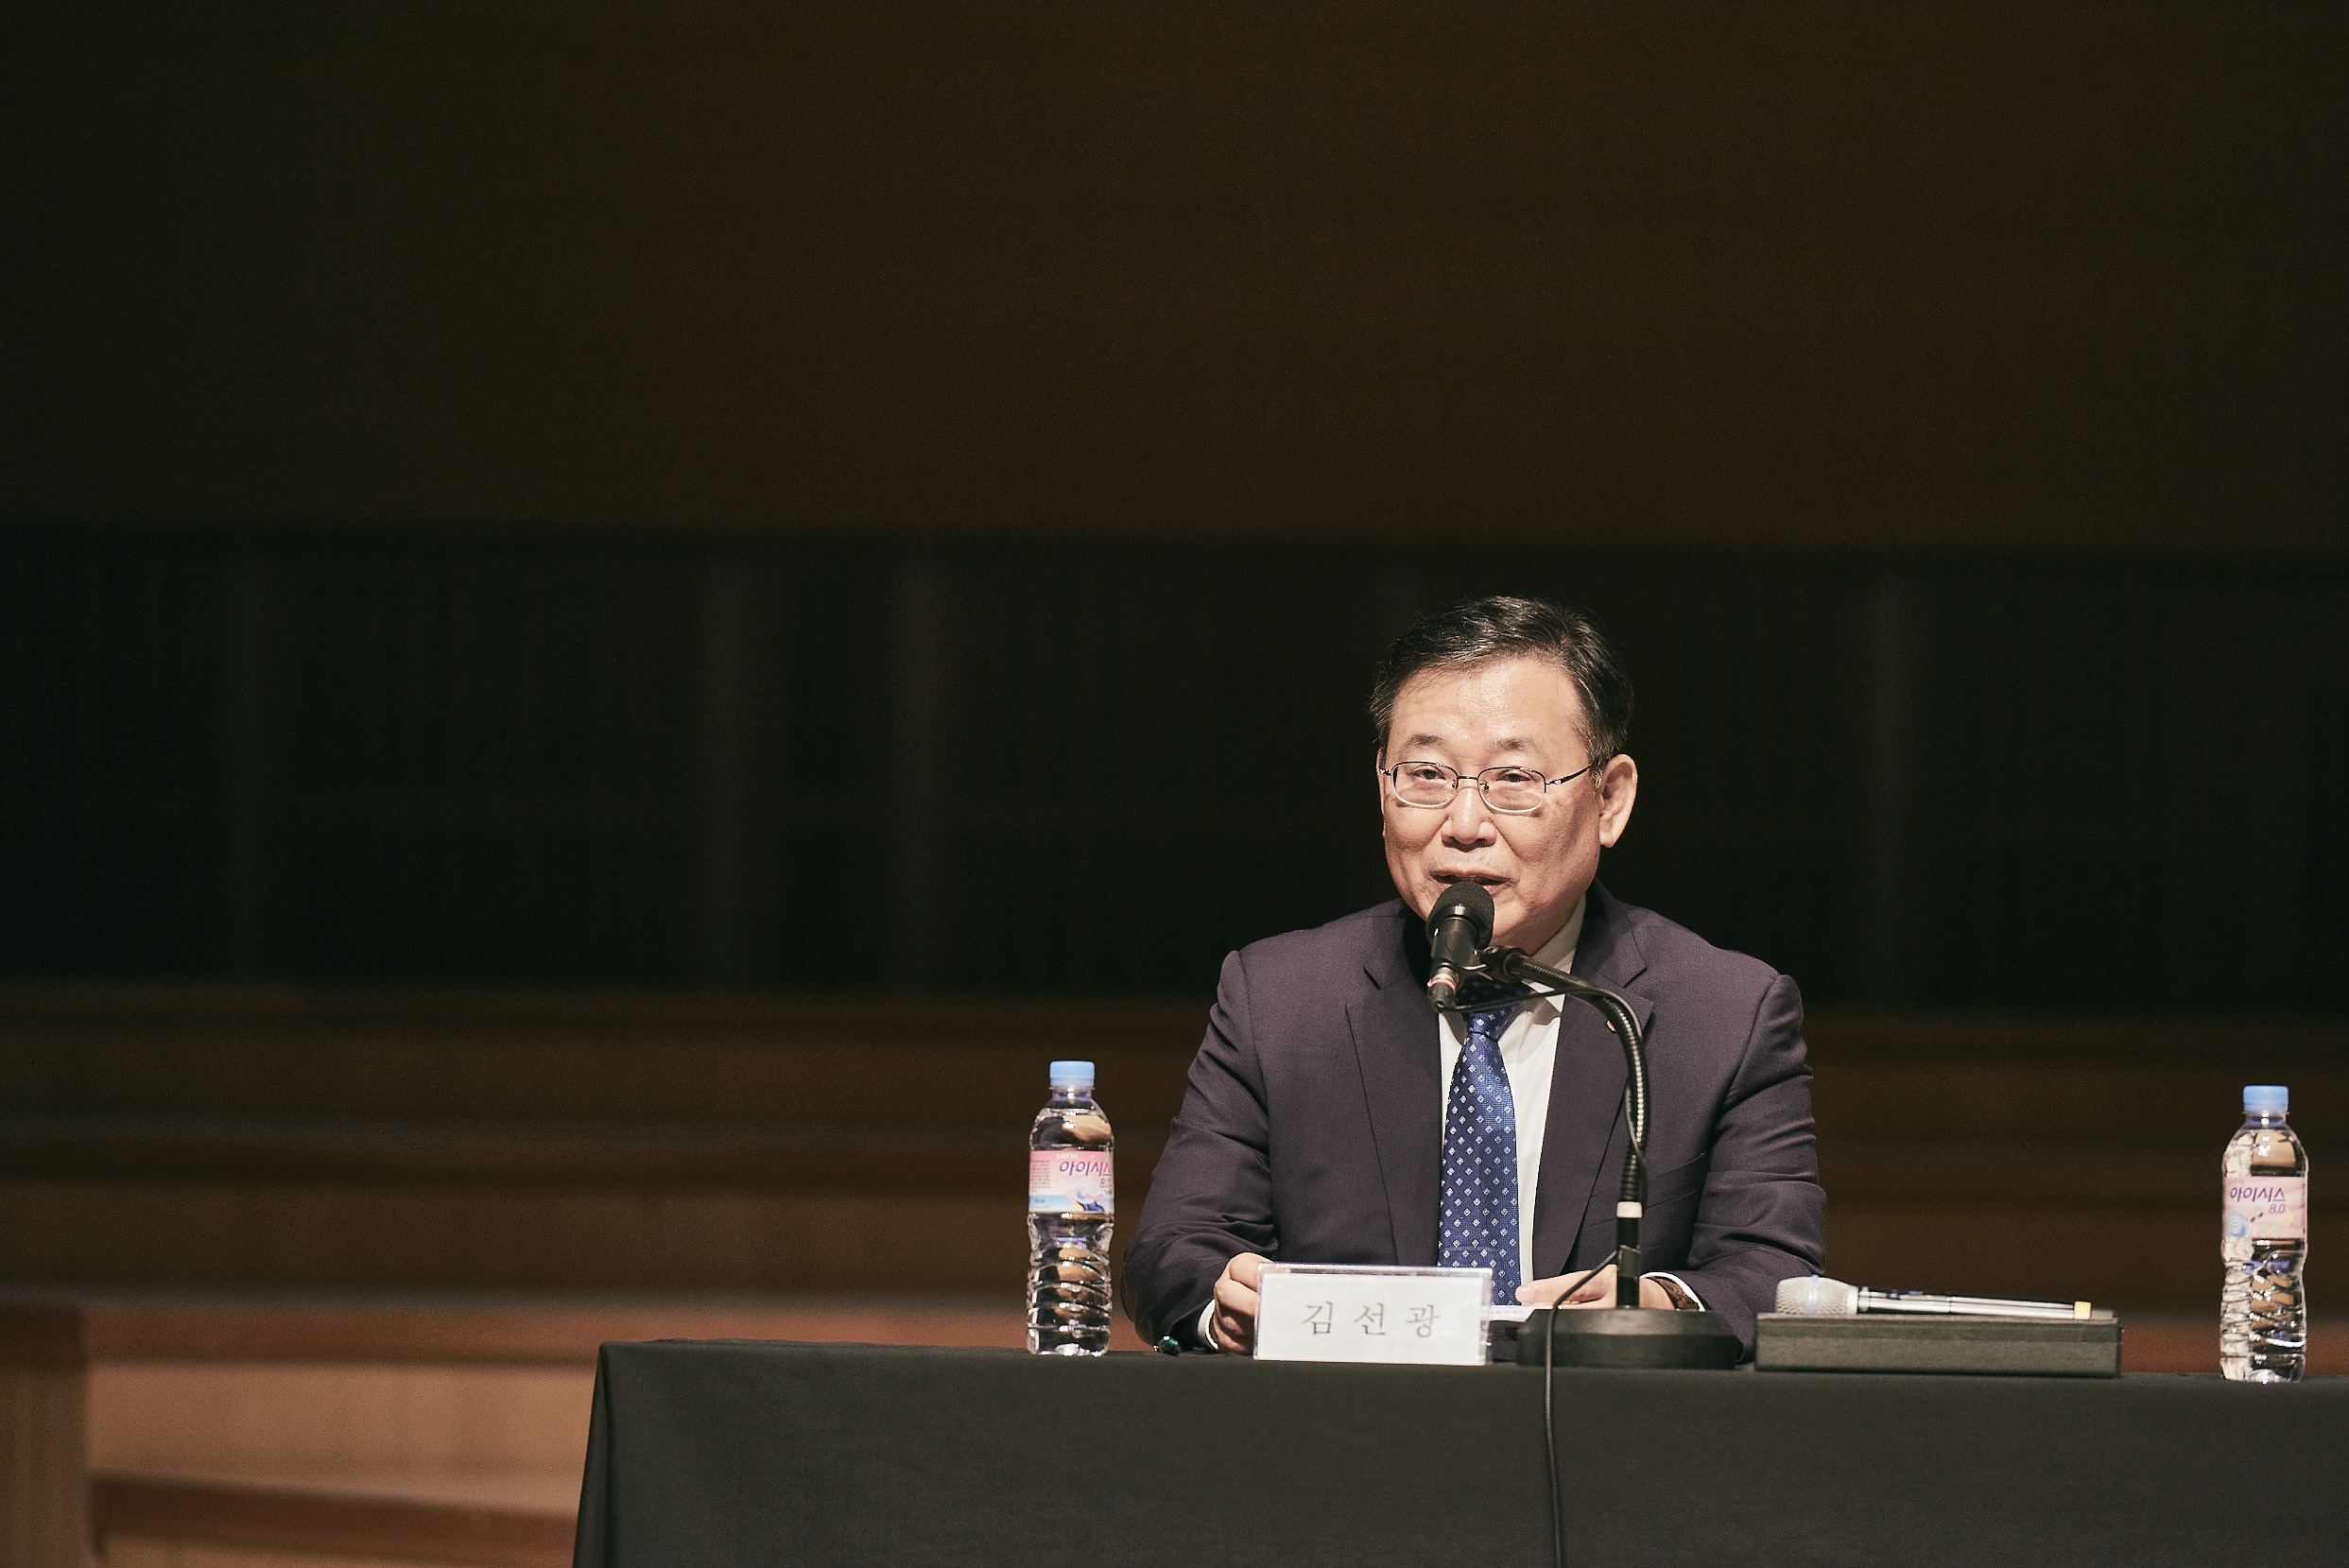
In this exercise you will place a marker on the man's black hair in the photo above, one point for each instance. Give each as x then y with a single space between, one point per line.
1476 632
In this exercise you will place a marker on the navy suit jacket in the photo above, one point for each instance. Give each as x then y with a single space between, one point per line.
1313 1129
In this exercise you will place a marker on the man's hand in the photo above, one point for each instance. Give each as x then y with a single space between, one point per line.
1232 1326
1577 1290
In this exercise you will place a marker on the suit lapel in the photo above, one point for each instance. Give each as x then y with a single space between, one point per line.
1586 1087
1394 1044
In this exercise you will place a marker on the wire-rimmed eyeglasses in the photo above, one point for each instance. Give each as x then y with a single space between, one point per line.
1432 786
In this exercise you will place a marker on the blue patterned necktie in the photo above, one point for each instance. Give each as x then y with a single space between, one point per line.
1478 1225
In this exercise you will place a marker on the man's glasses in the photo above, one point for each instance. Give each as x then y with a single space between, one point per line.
1514 790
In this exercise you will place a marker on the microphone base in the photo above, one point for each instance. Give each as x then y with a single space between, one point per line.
1631 1338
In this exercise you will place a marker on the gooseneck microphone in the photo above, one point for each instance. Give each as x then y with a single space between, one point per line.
1511 963
1458 928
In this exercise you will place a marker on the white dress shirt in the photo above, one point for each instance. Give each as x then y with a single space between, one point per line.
1528 1053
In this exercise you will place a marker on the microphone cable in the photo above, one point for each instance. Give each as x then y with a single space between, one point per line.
1549 1424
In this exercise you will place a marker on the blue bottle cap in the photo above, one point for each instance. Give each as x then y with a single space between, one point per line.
1072 1074
2270 1097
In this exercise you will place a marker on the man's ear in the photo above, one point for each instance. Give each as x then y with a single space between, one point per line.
1619 788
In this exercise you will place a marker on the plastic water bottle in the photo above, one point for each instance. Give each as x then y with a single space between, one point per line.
2263 1313
1072 1208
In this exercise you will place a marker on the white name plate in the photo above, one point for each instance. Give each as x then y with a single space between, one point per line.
1344 1312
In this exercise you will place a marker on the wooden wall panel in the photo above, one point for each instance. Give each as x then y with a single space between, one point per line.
1955 1149
157 1417
538 1238
124 1550
44 1509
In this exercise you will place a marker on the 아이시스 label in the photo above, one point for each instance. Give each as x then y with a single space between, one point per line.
2265 1208
1070 1181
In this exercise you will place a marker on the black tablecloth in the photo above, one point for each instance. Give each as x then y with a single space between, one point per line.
716 1453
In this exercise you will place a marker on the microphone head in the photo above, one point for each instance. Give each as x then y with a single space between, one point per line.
1467 898
1813 1296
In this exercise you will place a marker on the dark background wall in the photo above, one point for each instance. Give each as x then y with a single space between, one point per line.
1980 276
537 493
2077 786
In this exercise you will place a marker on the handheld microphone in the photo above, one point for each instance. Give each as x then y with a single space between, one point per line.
1812 1296
1458 928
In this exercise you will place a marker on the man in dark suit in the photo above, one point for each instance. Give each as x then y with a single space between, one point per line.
1333 1116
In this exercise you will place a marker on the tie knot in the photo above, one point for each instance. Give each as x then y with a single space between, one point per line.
1493 1002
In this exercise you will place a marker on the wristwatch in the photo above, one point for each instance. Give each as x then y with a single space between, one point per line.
1680 1300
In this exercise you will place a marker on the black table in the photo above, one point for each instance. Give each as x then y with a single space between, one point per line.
721 1452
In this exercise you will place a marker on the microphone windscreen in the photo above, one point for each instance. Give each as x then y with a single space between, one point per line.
1817 1296
1469 898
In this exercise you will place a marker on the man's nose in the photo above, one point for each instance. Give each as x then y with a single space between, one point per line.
1468 820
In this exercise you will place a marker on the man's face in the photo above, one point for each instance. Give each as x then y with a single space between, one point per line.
1518 713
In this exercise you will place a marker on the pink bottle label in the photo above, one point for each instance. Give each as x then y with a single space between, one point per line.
2265 1208
1070 1181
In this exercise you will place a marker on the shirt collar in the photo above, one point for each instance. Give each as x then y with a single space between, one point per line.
1557 953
